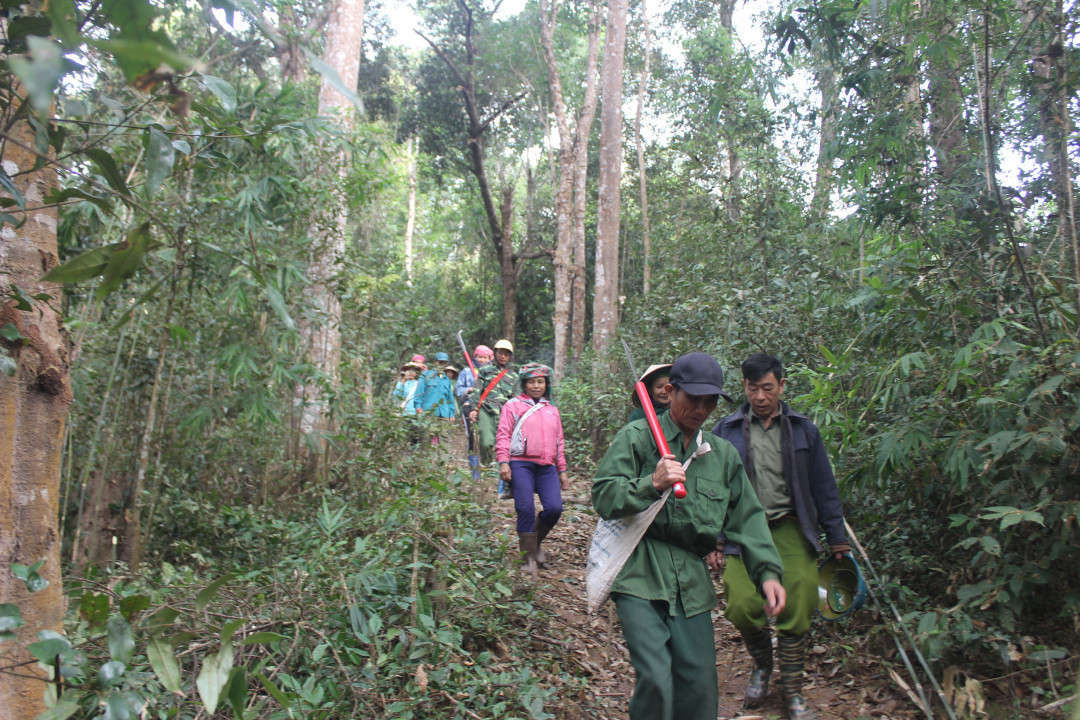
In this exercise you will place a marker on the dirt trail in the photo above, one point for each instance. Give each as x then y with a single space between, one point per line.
841 684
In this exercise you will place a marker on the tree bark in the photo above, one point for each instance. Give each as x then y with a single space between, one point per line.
321 331
410 223
564 193
732 202
606 291
826 78
507 263
34 405
582 133
642 184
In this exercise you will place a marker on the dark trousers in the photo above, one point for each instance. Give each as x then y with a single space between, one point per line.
674 659
528 479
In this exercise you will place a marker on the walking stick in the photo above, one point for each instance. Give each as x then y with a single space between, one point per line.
678 489
470 431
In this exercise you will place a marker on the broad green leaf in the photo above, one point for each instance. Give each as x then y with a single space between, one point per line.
62 710
111 672
41 72
136 58
9 186
236 690
10 617
94 607
263 638
161 619
8 367
282 699
121 644
46 650
133 604
277 302
160 157
59 196
213 676
106 165
163 660
182 146
228 630
125 260
222 90
10 332
81 267
22 27
208 592
331 76
118 707
64 19
30 576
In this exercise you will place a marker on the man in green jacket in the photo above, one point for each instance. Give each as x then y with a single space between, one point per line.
664 593
496 383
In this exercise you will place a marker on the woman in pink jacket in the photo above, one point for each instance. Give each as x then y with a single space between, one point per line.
529 448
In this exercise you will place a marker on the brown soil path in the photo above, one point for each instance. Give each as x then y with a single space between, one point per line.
845 681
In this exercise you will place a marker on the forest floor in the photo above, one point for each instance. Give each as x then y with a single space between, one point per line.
846 680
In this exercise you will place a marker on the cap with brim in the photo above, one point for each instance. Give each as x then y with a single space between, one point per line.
451 369
650 374
412 366
699 374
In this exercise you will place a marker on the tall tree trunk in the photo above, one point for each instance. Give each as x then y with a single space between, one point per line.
642 185
605 293
582 133
507 264
410 223
322 332
34 403
826 78
133 533
564 193
732 202
945 98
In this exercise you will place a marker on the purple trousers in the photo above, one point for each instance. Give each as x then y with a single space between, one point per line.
531 478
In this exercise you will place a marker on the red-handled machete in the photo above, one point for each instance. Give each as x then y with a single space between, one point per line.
678 489
464 350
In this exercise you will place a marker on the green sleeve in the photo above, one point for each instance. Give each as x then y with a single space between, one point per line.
620 488
747 525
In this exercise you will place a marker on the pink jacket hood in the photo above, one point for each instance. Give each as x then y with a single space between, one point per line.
542 430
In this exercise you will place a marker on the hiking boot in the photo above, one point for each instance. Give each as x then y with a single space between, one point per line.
527 546
759 645
792 662
797 708
542 531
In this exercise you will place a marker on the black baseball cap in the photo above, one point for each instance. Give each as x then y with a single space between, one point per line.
699 374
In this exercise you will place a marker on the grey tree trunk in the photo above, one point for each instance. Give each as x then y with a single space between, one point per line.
606 291
321 330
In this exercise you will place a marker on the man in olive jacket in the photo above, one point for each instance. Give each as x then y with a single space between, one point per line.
791 475
664 592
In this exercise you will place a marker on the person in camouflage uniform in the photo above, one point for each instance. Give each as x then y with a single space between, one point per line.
486 414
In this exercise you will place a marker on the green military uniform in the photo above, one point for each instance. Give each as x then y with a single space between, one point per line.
487 421
675 658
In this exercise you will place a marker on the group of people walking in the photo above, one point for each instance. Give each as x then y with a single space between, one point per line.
757 505
514 426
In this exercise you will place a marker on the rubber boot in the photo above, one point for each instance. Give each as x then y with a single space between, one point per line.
759 645
792 661
527 545
542 531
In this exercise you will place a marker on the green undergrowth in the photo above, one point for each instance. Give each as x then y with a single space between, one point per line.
386 594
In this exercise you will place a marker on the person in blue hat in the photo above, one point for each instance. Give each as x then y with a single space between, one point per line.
438 397
664 593
789 469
